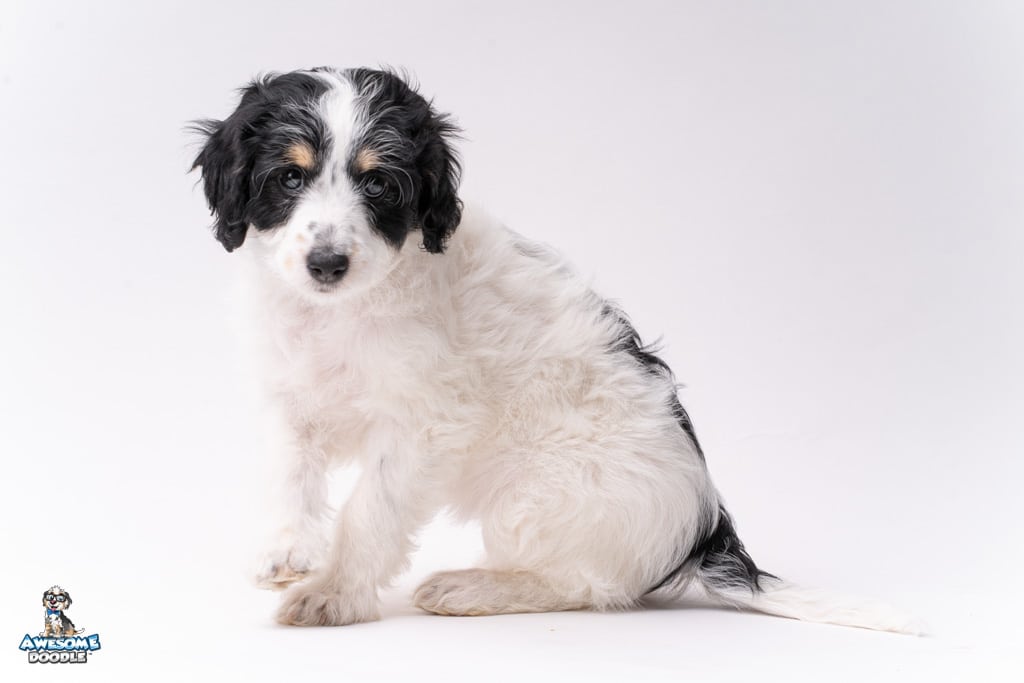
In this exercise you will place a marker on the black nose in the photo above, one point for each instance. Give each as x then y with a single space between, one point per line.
326 266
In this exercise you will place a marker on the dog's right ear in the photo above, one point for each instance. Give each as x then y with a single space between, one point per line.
227 160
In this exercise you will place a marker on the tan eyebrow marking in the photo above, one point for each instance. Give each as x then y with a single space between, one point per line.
366 160
301 155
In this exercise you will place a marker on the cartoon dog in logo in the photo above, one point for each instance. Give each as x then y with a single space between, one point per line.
55 601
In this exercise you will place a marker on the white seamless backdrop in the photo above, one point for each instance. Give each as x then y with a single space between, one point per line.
816 205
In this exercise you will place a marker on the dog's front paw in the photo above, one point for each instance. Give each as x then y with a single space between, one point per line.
287 562
318 603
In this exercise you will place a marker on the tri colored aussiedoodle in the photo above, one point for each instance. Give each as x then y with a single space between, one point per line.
463 366
56 601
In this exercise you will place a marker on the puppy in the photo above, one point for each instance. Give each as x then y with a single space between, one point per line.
462 366
57 624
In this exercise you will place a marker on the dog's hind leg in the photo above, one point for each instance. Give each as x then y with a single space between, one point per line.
575 529
478 592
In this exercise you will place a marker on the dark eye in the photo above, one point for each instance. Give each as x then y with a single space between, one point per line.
292 179
375 186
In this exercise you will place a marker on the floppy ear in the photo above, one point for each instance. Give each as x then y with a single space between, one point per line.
67 601
44 598
440 209
227 161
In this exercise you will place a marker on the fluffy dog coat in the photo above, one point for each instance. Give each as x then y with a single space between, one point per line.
463 366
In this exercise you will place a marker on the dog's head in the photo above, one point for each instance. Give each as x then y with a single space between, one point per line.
327 173
56 598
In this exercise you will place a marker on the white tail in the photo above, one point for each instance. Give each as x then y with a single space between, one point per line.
811 604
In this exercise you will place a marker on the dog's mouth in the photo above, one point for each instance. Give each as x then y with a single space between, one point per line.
324 289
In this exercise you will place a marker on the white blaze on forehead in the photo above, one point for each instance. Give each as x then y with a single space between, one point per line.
339 109
325 212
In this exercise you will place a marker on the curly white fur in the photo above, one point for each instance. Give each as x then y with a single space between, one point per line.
484 380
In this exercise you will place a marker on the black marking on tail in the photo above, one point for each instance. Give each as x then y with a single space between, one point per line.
629 341
720 560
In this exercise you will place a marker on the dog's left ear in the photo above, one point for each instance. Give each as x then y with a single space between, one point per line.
67 599
227 160
440 209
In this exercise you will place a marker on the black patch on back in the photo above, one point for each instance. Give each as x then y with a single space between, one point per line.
718 558
629 342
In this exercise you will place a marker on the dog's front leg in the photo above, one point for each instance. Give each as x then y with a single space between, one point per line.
373 539
298 542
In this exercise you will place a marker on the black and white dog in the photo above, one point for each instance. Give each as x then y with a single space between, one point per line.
462 365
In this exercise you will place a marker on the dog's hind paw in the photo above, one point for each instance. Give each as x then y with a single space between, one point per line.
457 593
